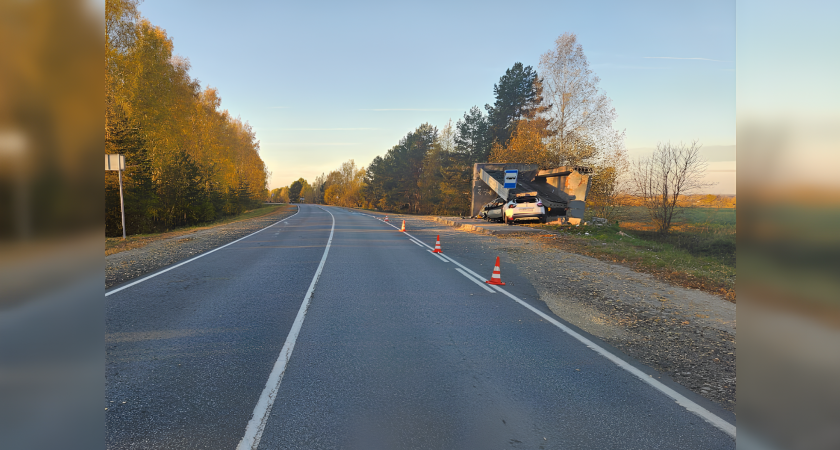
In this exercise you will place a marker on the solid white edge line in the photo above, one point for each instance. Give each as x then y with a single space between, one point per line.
469 277
417 243
437 256
114 291
689 405
256 426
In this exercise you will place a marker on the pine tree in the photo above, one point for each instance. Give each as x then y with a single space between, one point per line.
518 95
473 135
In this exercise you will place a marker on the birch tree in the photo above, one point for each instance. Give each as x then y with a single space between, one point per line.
581 114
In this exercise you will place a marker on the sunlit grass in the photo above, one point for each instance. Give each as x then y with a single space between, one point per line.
698 253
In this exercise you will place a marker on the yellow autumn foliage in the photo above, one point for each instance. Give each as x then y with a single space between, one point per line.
526 145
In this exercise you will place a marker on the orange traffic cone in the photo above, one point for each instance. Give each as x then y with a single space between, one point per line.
386 218
403 228
437 246
496 278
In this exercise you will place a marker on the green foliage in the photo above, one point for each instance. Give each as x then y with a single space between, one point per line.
294 190
394 180
518 95
473 137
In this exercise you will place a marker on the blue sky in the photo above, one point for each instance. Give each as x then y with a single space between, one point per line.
324 82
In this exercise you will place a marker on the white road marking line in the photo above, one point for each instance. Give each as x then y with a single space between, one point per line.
692 407
256 426
462 266
418 244
469 277
437 256
418 240
689 405
114 291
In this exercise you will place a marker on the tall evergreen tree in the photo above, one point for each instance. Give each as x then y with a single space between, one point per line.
518 95
394 181
472 135
295 189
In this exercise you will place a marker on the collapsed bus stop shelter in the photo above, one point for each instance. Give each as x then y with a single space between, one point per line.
562 190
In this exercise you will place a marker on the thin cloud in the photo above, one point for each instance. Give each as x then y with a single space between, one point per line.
407 109
326 129
674 57
311 143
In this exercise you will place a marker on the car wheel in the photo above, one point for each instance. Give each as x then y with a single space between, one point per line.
542 219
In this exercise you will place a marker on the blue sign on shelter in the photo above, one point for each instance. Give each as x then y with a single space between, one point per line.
510 178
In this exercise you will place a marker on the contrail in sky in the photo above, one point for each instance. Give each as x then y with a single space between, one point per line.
326 129
673 57
408 109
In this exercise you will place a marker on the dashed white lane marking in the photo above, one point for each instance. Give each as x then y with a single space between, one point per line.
469 277
114 291
689 405
417 243
256 426
437 256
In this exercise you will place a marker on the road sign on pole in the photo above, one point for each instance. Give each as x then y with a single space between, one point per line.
117 162
510 178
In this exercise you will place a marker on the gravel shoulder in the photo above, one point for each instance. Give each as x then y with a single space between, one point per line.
684 333
129 264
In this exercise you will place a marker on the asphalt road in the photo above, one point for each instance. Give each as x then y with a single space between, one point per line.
396 349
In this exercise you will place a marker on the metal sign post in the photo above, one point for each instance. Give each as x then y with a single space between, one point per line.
117 162
510 178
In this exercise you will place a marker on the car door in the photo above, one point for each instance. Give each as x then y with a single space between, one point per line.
495 210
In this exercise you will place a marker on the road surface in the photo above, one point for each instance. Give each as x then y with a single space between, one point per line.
331 329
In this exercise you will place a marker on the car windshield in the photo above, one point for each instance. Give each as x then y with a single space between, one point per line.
526 200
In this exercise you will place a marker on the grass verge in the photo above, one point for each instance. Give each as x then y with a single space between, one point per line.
704 261
117 244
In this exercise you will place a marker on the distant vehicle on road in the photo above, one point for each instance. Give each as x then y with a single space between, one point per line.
493 210
525 207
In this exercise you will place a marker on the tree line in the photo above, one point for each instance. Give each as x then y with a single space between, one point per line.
187 160
557 117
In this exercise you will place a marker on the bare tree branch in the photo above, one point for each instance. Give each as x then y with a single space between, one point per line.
660 179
